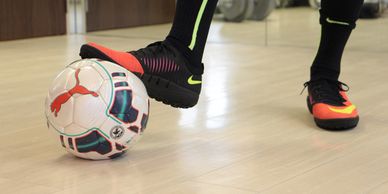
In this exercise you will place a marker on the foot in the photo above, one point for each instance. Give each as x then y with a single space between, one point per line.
330 106
167 75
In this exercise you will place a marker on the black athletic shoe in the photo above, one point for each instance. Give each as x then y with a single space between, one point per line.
330 106
167 75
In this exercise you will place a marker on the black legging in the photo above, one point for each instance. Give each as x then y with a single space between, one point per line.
342 10
327 62
338 18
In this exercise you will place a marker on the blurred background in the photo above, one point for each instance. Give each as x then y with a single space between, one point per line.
35 18
273 22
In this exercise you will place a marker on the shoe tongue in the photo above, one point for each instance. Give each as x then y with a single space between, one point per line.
329 92
333 84
155 44
151 51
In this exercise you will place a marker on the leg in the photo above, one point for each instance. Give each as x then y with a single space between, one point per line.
327 99
171 69
191 27
338 19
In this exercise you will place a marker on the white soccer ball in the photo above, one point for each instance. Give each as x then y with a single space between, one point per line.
97 108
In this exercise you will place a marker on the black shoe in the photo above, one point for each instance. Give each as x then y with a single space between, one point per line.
167 75
330 106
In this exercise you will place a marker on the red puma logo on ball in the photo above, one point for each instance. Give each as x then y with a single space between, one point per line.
63 98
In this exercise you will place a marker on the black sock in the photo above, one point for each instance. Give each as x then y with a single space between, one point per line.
191 27
338 19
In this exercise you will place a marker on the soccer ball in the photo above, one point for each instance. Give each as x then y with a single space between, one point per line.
97 109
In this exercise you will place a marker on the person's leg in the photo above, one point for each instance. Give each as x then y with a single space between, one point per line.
191 27
171 69
338 19
327 100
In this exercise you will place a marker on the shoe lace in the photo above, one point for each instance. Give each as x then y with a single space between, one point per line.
326 91
155 49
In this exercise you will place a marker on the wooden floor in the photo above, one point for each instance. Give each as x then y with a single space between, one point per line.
250 133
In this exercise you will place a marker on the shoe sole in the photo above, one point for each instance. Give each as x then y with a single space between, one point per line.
334 124
168 92
337 124
158 88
